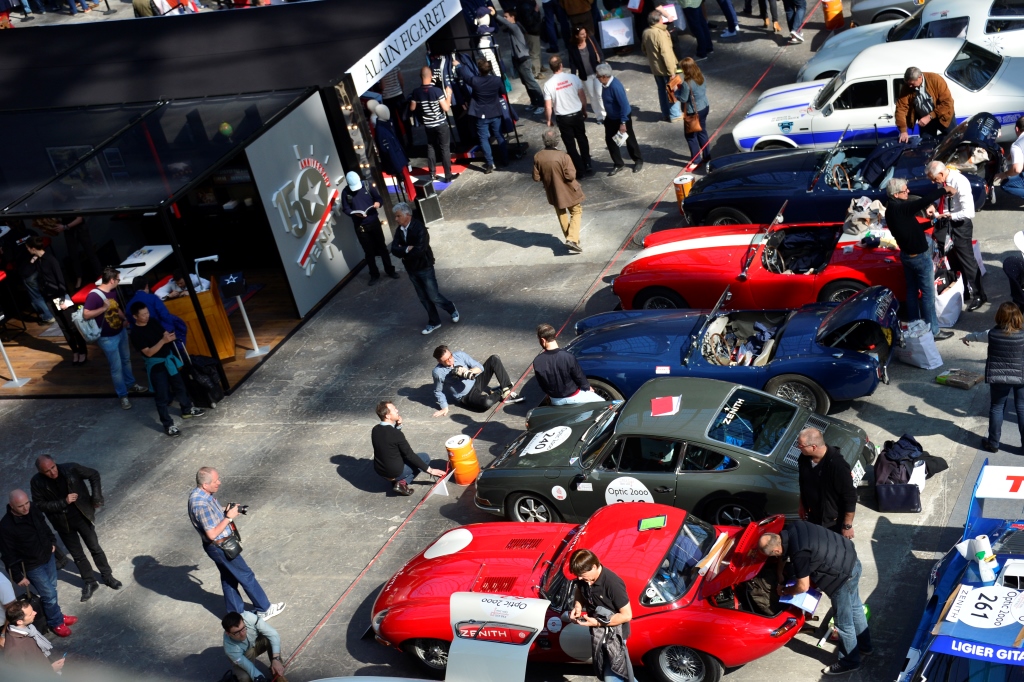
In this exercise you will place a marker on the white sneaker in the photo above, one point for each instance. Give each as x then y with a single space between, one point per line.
430 329
455 316
727 34
272 611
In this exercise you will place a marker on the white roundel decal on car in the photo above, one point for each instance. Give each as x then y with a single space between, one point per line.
558 492
554 624
449 543
627 489
547 440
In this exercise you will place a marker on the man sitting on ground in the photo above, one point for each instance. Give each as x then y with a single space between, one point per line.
246 636
392 457
465 381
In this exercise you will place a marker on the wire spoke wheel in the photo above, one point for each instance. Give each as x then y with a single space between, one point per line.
681 664
840 295
433 653
799 393
658 302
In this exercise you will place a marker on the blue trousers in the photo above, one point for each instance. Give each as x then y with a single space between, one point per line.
850 620
553 11
920 276
116 350
730 14
44 581
485 127
234 574
699 27
795 11
1000 393
31 283
425 283
699 139
409 473
1014 186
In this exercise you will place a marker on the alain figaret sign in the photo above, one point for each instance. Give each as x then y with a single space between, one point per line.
400 44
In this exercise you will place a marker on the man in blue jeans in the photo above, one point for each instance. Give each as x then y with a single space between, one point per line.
1012 181
27 546
412 245
821 558
102 305
795 11
214 525
393 459
915 252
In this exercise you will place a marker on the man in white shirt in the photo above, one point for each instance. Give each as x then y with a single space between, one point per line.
958 209
1012 181
565 105
175 288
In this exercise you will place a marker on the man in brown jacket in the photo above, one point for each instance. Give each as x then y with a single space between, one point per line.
924 100
25 646
555 169
657 47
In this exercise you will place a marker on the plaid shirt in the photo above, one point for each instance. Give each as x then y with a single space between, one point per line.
204 511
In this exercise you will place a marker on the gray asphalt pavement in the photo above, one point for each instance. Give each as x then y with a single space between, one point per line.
324 532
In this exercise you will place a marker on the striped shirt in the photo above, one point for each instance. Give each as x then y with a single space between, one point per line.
428 105
389 85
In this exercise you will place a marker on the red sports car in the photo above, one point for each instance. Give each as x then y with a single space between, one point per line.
693 612
765 266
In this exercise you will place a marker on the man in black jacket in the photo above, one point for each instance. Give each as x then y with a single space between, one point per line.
901 219
60 491
827 494
360 201
27 547
412 245
828 562
392 457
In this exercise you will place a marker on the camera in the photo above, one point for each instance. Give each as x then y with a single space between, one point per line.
242 508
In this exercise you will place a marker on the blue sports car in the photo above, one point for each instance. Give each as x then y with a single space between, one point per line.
812 356
819 185
971 626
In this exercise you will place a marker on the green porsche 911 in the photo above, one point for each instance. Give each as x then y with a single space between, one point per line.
724 452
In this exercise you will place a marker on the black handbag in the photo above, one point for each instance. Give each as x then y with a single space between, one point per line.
232 544
898 497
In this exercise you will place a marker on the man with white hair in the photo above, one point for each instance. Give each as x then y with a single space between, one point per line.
412 245
957 211
915 252
924 101
618 119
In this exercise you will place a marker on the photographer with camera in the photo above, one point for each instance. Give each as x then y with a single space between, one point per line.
222 543
603 606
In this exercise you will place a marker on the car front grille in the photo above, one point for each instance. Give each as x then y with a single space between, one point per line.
523 543
497 585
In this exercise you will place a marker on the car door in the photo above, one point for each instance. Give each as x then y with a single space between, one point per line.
865 106
633 469
705 470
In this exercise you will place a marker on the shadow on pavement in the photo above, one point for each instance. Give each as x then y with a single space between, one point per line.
359 472
524 239
176 582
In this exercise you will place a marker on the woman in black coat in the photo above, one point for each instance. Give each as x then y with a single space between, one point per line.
51 285
584 56
1004 370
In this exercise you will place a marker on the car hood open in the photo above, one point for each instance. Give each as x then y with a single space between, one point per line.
875 304
744 560
981 130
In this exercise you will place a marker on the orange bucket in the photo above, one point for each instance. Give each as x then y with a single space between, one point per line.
833 10
462 459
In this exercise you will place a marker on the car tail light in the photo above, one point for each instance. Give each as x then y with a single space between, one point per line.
784 628
493 632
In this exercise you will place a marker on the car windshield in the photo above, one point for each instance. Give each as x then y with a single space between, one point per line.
906 29
946 668
973 67
677 573
831 88
556 585
598 434
752 421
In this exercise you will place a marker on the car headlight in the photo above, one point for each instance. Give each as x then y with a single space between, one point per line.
378 619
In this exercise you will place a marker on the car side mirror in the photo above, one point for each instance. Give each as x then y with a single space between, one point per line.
827 111
579 478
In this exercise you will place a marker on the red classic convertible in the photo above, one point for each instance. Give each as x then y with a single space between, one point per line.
693 613
765 266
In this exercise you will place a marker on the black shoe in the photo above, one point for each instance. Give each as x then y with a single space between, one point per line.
866 651
488 169
943 335
373 280
988 446
112 582
615 170
394 275
638 167
838 668
88 589
451 178
976 303
402 488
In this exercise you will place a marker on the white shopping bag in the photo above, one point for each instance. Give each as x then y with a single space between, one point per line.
977 257
668 13
918 475
616 32
919 351
950 303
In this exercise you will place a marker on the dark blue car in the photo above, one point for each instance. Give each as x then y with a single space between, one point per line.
814 355
819 185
